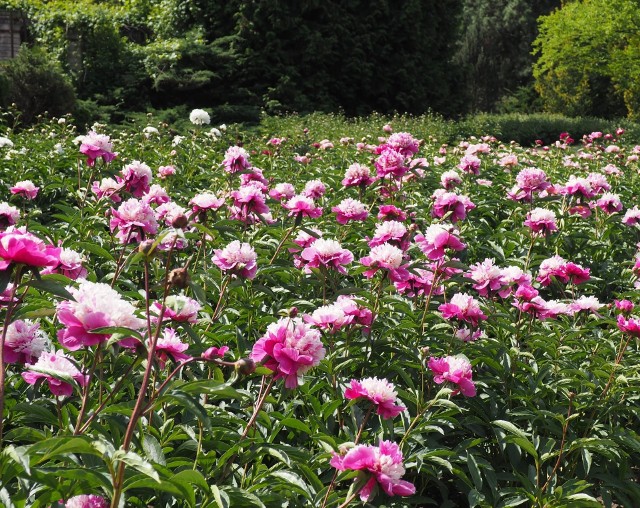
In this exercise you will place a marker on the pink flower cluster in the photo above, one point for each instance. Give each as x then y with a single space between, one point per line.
456 370
96 145
451 205
237 259
380 392
561 270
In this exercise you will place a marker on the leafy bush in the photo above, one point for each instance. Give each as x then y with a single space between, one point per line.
36 85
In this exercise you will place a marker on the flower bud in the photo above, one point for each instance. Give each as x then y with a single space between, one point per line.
179 278
180 221
245 366
146 247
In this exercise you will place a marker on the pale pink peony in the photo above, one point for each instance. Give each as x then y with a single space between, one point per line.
289 348
470 164
361 315
59 372
165 171
579 187
329 318
450 179
17 246
632 216
26 189
380 392
383 462
326 253
156 195
392 232
463 307
350 210
283 191
508 161
24 342
436 239
108 187
133 219
585 303
249 200
488 279
96 145
205 201
170 212
404 143
95 305
456 370
237 259
598 182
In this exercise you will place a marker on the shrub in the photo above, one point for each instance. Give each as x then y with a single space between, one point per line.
36 85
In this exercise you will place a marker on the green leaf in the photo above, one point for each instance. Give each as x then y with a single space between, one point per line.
51 286
134 460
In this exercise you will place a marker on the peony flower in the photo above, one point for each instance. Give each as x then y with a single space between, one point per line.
383 462
249 200
463 307
453 369
171 212
199 117
59 372
488 279
418 284
289 348
632 216
541 221
165 171
25 189
24 342
361 315
302 206
350 209
609 203
598 182
237 259
392 232
379 391
450 204
86 501
9 215
95 305
579 187
450 179
108 187
403 143
624 306
96 145
236 159
470 164
386 257
314 189
156 195
133 218
436 239
205 201
329 318
391 212
586 303
178 308
215 352
282 191
357 175
170 345
70 265
326 253
390 162
136 178
19 247
630 325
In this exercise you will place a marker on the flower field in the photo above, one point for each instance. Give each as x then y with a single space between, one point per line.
313 314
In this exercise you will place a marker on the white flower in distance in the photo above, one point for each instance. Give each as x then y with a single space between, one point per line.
200 117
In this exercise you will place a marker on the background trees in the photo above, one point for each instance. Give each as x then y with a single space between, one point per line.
240 58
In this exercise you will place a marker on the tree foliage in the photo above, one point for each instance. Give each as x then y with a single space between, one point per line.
587 58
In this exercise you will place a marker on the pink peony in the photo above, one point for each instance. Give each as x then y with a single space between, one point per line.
456 370
350 210
390 162
95 305
24 342
19 247
392 232
624 306
70 265
450 179
419 283
205 201
391 212
541 221
86 501
361 315
630 325
178 308
462 307
249 200
585 303
436 239
598 182
325 253
632 216
96 145
450 204
215 352
283 191
165 171
59 372
383 462
314 189
236 159
170 345
470 164
9 215
133 219
108 187
137 177
404 143
379 391
289 348
357 175
488 279
579 187
25 189
237 259
330 318
386 257
609 203
302 206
